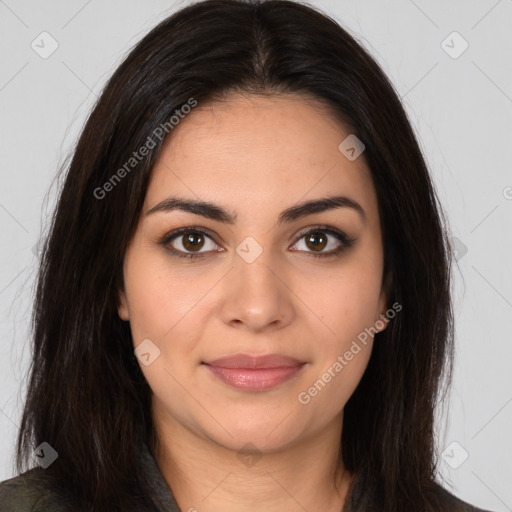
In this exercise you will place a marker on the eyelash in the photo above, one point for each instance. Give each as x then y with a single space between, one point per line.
346 242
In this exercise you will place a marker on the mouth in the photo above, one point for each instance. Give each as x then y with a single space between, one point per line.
255 373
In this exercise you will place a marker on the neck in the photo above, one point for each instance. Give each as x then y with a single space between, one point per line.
205 476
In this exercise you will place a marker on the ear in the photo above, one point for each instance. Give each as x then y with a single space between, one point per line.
122 306
383 302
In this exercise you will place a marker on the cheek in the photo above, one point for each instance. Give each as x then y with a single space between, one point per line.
342 376
349 304
161 304
167 310
343 354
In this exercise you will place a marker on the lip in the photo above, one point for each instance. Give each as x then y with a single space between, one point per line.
248 361
254 373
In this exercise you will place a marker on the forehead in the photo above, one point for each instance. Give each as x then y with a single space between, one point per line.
257 152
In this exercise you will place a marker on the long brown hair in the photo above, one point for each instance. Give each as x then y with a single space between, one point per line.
87 396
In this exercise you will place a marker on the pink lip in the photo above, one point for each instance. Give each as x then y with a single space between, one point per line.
255 373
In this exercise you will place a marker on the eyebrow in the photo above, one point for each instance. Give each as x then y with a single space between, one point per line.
217 213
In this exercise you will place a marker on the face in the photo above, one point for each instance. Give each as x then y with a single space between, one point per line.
241 279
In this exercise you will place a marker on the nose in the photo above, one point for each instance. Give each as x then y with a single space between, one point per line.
256 295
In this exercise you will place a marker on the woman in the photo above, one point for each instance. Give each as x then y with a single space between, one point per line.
205 341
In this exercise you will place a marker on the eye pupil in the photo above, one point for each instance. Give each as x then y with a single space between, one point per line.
191 240
313 238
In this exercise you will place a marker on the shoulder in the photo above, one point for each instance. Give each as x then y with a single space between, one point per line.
30 492
435 498
450 503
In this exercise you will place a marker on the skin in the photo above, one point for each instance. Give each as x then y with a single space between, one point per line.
255 156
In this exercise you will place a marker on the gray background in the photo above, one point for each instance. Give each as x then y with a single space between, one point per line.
461 109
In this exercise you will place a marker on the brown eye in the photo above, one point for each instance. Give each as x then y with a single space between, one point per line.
193 241
189 243
316 240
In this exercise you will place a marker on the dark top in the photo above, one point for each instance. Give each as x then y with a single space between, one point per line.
27 492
